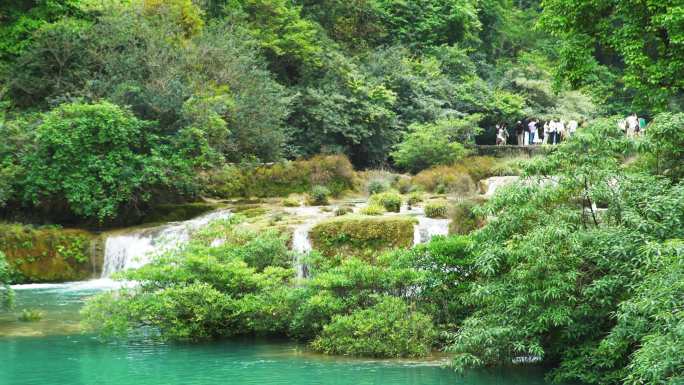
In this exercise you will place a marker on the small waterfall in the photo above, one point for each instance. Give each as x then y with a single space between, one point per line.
489 186
301 245
135 248
428 228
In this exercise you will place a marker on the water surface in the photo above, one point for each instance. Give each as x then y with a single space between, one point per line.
53 351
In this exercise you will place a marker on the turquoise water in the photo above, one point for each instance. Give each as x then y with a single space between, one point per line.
53 352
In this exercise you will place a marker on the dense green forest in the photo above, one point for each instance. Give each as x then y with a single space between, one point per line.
109 108
193 85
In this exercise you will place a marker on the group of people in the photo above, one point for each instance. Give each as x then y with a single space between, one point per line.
632 125
532 131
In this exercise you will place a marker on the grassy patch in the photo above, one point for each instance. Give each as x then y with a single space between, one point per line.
361 235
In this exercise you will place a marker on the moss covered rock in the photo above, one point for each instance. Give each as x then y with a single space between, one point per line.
362 236
49 254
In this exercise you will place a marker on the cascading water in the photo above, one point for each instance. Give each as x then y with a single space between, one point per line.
489 186
427 227
134 249
301 245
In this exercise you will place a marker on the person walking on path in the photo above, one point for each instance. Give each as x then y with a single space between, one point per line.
501 134
560 131
532 128
519 132
547 132
553 131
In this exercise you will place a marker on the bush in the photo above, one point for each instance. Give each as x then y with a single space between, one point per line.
373 209
95 159
391 201
291 202
464 219
376 186
663 146
318 196
427 145
266 249
31 315
444 179
226 182
388 329
362 236
404 185
335 172
415 198
482 167
436 209
343 210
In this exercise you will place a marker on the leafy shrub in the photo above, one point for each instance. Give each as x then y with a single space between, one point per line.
318 196
388 329
415 198
479 167
291 202
226 181
663 145
428 145
335 172
391 201
96 159
361 235
201 291
404 185
464 219
373 209
266 249
444 260
437 209
482 167
31 315
454 179
376 186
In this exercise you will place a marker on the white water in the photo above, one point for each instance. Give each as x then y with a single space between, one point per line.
489 186
135 248
428 228
301 244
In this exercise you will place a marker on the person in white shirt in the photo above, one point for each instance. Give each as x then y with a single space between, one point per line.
560 130
501 135
532 126
553 131
547 132
632 124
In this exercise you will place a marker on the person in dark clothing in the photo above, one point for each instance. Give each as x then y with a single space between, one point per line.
519 132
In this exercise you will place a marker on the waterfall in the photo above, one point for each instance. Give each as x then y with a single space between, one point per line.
489 186
428 228
133 249
301 245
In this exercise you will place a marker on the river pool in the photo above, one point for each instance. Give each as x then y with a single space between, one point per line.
53 351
